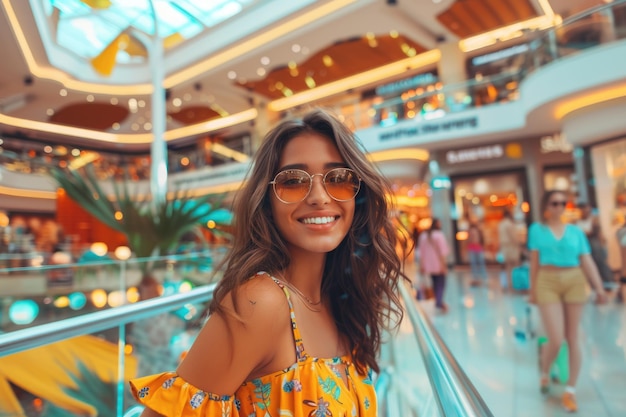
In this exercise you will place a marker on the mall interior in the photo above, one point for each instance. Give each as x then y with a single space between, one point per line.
470 108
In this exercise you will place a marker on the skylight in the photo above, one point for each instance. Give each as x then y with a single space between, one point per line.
87 27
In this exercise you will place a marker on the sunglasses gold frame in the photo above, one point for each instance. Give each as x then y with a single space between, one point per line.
324 176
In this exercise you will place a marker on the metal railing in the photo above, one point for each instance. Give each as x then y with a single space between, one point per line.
455 393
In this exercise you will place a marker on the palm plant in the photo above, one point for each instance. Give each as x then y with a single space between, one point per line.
90 390
151 228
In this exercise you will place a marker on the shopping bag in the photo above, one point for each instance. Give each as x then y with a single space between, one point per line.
559 371
425 293
423 287
520 278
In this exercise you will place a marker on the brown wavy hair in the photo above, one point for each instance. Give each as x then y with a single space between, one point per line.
360 276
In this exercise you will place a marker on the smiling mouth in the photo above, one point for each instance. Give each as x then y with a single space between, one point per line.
319 220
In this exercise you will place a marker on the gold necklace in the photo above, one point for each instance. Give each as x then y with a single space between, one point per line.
308 303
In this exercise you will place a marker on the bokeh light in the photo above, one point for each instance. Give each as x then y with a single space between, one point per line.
132 295
99 248
116 298
61 302
23 312
77 300
99 298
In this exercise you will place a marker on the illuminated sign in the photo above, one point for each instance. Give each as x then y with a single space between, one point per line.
430 128
555 143
504 53
475 154
403 85
440 182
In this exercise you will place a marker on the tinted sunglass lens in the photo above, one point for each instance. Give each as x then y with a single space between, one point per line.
291 186
342 184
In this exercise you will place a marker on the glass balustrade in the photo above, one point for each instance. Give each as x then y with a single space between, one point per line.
36 295
76 365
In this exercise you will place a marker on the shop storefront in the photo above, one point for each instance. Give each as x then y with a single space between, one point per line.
484 181
608 177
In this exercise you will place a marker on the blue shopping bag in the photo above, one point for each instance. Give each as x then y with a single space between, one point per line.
520 277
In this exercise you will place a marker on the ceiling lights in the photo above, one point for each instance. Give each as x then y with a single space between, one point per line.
359 80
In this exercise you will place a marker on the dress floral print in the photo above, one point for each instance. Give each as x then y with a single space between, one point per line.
311 387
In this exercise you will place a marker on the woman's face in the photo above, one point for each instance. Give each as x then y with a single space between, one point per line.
318 223
556 206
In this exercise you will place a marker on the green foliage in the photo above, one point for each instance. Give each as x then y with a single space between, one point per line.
152 228
90 389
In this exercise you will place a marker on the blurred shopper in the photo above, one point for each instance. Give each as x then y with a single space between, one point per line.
476 252
510 250
560 259
433 250
590 224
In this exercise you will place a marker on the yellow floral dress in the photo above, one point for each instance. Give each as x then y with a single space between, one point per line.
311 387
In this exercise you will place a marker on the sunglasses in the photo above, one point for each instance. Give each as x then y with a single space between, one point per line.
558 203
294 185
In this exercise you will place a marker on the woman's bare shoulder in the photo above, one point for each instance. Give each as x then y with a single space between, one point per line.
259 302
236 342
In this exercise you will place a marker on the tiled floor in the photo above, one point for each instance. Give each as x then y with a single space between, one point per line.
486 331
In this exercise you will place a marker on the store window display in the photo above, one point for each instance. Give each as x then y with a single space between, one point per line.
608 162
482 200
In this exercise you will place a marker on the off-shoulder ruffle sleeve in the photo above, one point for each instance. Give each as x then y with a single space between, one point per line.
170 395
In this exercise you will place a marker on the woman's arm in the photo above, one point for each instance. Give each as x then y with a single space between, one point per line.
593 276
533 270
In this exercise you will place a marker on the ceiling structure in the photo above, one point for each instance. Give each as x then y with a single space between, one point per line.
217 64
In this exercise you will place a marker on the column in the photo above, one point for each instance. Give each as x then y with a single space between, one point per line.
440 206
451 71
158 148
581 174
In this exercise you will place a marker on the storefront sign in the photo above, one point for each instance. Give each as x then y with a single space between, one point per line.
429 128
504 53
555 143
406 84
440 182
475 154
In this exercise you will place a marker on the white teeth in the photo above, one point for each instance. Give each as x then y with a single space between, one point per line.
318 220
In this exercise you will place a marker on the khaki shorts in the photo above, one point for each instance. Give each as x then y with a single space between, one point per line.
561 286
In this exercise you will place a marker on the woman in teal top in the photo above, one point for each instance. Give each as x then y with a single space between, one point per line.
560 264
563 252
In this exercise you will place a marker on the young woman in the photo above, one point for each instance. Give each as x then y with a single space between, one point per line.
310 283
560 260
433 250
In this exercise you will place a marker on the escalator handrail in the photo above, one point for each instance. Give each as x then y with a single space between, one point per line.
454 392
